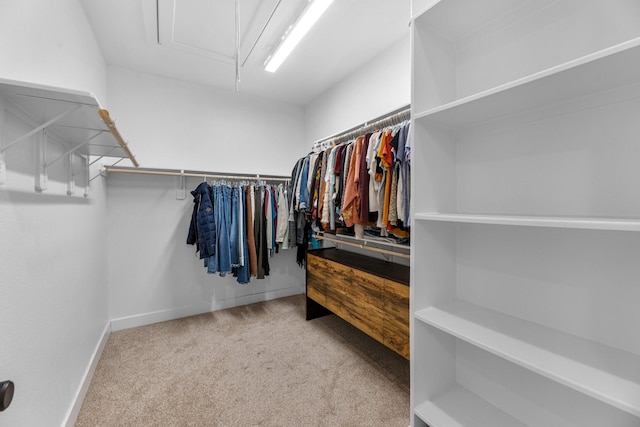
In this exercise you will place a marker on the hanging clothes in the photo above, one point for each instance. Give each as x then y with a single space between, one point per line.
236 228
221 262
251 238
202 229
359 184
242 271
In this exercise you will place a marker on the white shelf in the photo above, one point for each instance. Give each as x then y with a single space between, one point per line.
599 371
460 19
73 116
589 223
459 407
601 71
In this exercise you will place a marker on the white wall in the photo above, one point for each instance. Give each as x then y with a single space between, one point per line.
50 43
178 125
153 274
381 86
53 289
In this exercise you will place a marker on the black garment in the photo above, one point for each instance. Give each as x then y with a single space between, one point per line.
340 179
302 247
260 231
202 229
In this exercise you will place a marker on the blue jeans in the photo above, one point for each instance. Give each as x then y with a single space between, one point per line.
243 272
234 233
221 263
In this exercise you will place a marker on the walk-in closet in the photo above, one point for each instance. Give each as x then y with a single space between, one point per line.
319 213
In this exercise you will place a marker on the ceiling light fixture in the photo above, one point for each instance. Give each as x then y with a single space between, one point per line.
296 32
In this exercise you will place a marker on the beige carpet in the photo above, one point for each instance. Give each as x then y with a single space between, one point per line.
256 365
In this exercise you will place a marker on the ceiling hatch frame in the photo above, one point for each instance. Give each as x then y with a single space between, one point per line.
166 22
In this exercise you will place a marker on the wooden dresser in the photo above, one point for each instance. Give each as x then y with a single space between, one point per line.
371 294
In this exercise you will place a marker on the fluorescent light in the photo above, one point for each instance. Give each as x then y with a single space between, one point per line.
300 28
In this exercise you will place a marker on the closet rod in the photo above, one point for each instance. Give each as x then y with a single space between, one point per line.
405 110
368 248
196 174
108 121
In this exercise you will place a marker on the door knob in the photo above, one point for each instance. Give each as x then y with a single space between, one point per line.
6 394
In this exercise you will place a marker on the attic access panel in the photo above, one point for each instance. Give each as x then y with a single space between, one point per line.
79 125
208 28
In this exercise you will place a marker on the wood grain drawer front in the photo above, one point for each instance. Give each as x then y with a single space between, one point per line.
396 321
378 307
366 306
316 279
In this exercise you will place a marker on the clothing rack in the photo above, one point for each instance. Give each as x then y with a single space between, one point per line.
196 174
392 118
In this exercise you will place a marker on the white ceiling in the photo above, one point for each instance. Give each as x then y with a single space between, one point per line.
195 40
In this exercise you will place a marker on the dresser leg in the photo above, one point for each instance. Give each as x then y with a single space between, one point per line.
315 310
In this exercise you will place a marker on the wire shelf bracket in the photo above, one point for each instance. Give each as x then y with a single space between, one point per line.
73 120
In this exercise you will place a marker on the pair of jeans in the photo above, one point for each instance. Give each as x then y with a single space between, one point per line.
234 232
242 271
221 263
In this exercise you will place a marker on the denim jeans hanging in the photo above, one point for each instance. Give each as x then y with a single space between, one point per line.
222 206
234 232
242 272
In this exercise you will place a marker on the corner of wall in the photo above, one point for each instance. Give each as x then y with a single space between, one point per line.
74 410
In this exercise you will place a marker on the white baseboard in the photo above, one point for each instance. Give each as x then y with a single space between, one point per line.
177 313
74 411
161 316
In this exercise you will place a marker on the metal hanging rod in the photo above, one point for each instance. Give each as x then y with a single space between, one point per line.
362 246
393 117
196 174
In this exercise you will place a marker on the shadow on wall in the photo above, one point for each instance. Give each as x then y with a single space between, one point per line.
25 197
183 270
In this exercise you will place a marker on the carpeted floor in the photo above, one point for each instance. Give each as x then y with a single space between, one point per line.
256 365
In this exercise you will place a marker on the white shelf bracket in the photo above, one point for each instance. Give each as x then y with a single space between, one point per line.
72 150
41 168
181 189
103 171
3 170
71 183
87 177
38 129
3 166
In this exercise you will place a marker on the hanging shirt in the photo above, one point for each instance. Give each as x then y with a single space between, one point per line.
251 240
302 189
351 198
283 218
363 183
374 185
329 190
268 212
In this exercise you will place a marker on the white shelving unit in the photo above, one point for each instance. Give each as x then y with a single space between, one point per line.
65 126
524 261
